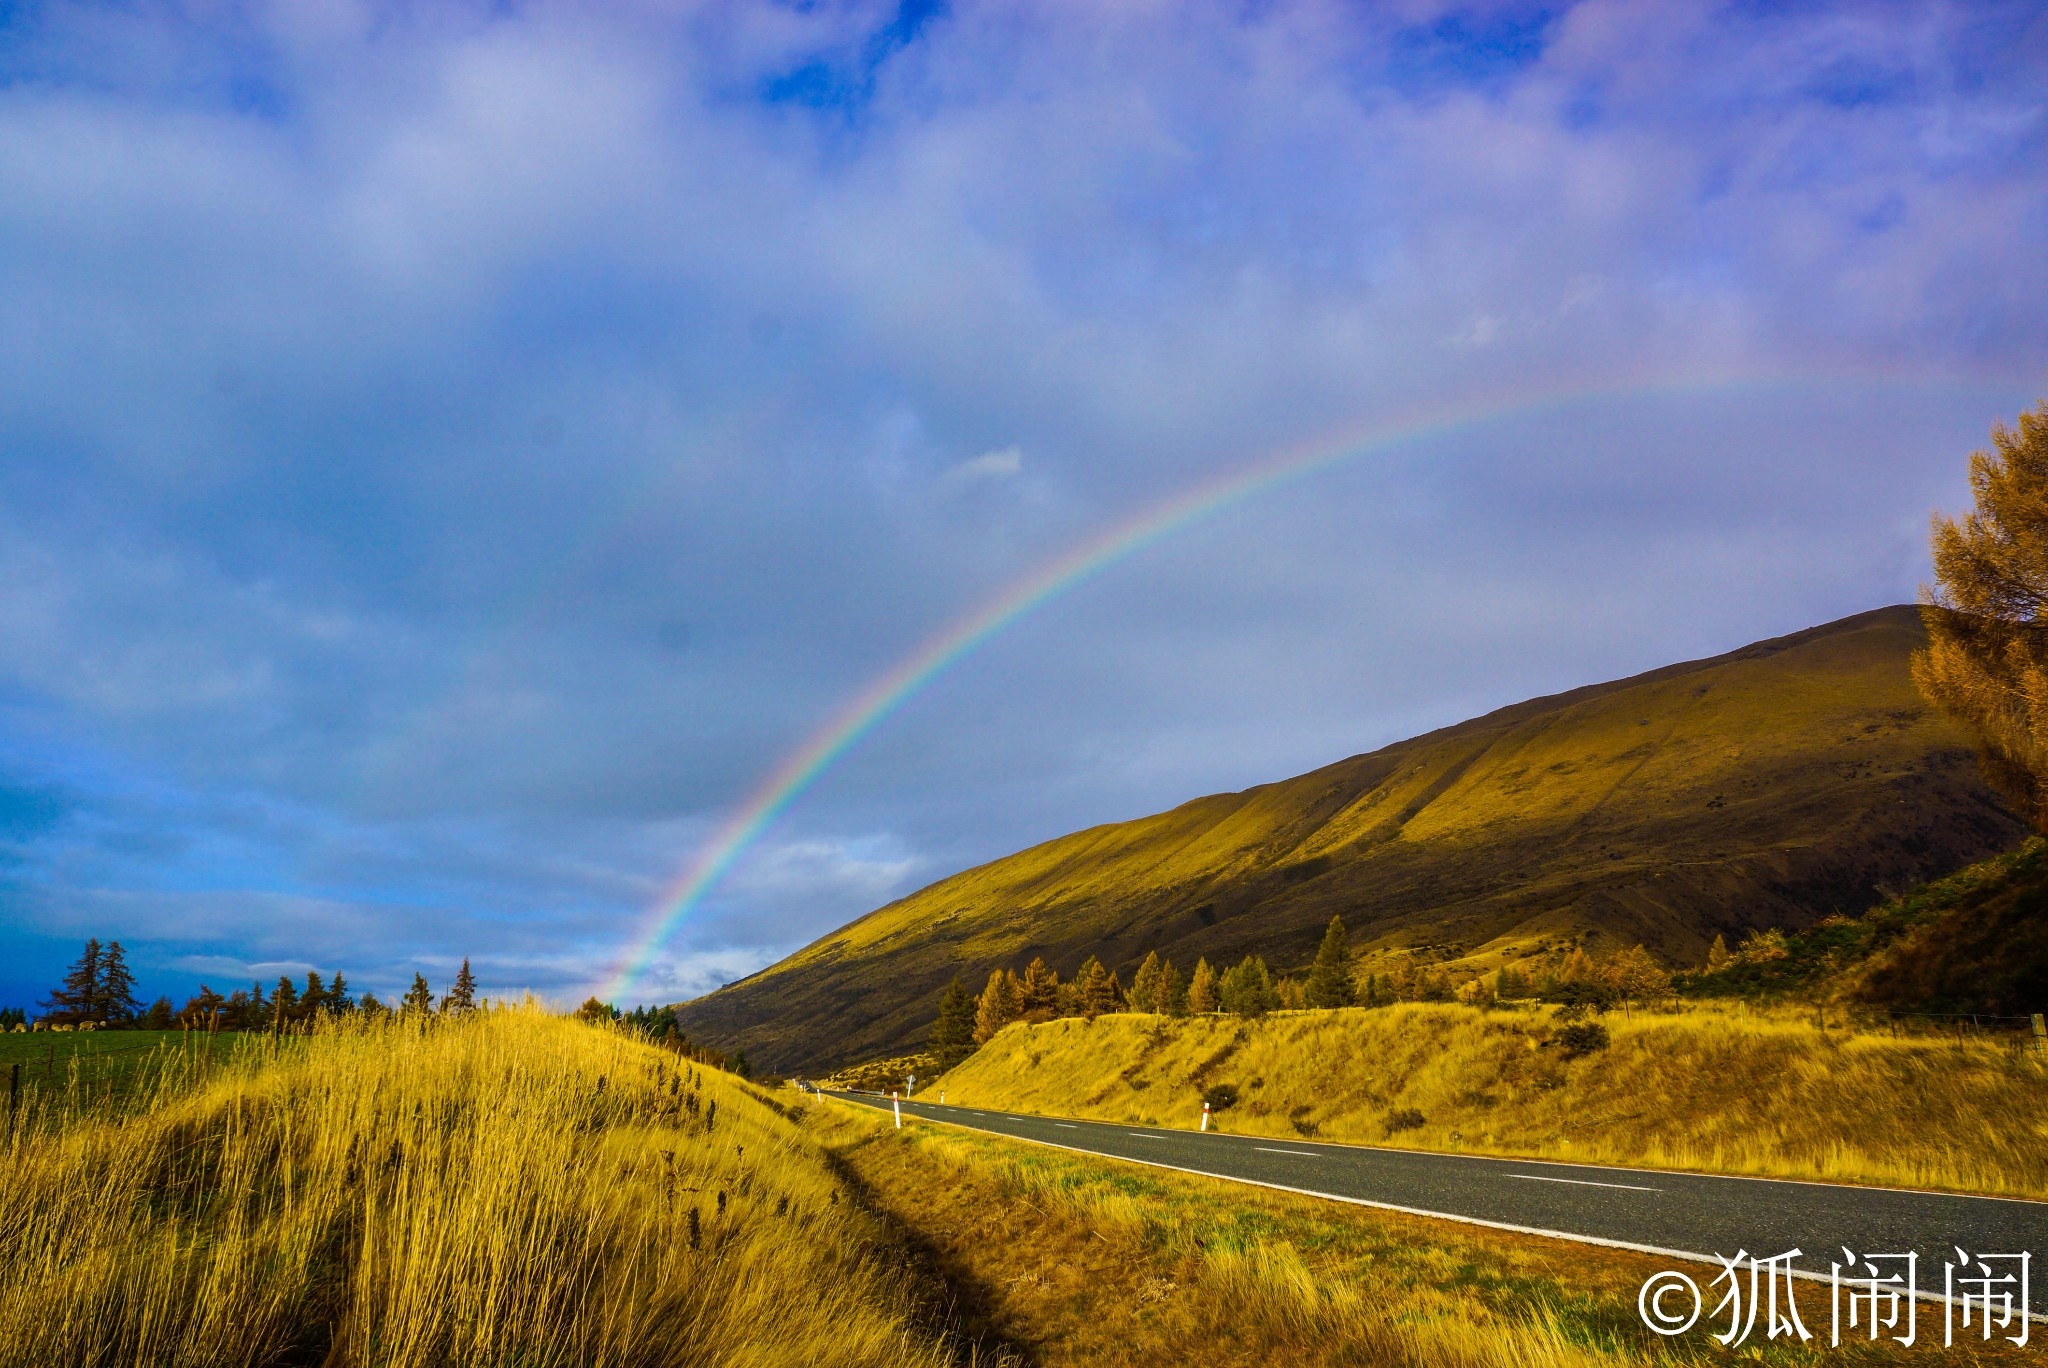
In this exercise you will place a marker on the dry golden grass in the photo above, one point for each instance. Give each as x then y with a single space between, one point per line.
513 1188
1712 1088
1088 1262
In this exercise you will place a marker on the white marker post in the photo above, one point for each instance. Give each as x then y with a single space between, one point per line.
1205 1118
897 1103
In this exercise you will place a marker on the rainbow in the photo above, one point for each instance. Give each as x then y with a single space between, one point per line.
862 714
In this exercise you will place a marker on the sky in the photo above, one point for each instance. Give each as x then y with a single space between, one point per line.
452 454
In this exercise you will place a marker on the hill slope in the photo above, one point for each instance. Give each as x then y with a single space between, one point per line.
1766 787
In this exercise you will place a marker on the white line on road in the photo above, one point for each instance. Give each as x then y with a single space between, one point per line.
1067 1125
1306 1154
1144 1136
1581 1182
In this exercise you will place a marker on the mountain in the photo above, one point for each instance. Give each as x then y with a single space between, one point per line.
1771 786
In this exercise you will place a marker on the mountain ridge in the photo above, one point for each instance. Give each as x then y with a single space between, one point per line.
1769 785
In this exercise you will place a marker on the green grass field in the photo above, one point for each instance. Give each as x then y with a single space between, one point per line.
106 1062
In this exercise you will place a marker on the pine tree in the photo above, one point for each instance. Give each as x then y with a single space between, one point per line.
1144 994
462 994
203 1013
1173 994
1986 662
162 1015
1041 991
1097 990
1000 1004
116 1001
76 999
313 1001
1717 954
740 1067
284 1003
419 999
1329 982
1247 990
953 1032
259 1008
1202 995
338 999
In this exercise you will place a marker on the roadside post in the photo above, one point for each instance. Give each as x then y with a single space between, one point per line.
2040 1033
896 1104
1205 1118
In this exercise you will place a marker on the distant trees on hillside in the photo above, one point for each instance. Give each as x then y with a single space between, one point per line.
1335 979
1986 662
100 988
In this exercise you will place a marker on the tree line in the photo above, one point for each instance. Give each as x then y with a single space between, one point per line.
967 1020
99 989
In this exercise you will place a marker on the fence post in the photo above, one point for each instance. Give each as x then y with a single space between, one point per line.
2040 1033
896 1105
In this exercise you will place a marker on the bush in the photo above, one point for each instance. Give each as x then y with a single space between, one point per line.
1406 1119
1582 1038
1222 1097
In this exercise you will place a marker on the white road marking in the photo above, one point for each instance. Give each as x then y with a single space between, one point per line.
1063 1123
1581 1182
1306 1154
1143 1136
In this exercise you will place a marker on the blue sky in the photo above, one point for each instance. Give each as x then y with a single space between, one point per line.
449 453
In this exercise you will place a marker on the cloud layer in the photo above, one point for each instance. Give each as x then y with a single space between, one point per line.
449 454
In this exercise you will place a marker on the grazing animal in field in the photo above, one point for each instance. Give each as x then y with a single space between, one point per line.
39 1026
88 1025
61 1026
20 1026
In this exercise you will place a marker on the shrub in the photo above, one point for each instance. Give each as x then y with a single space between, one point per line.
1221 1097
1582 1038
1406 1119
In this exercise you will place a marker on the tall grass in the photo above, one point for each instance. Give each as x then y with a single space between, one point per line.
1096 1263
1704 1088
512 1188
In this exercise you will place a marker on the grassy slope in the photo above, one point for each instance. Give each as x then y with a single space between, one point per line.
1085 1261
1705 1088
513 1188
1765 787
1976 941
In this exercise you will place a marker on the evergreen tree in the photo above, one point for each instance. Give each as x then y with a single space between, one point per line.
1041 991
1510 983
1987 656
419 999
1290 993
1202 994
76 999
740 1067
1097 990
162 1015
1144 995
338 999
1173 994
1247 990
284 1003
372 1008
203 1013
1329 982
1001 1002
259 1008
1717 954
953 1032
462 994
313 1001
116 1000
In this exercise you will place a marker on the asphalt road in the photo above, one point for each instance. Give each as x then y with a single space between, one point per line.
1696 1216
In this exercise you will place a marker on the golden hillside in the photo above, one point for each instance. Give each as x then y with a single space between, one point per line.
1768 786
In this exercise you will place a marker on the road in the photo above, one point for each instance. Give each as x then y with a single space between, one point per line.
1693 1216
